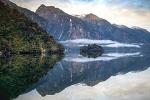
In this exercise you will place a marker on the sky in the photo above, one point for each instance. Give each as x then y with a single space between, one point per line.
122 12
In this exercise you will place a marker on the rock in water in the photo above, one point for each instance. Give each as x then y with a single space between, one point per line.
91 51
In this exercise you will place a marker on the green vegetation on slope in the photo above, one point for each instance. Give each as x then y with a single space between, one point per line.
18 34
18 74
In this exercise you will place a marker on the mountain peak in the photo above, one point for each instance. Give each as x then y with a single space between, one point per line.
48 9
47 12
92 16
42 6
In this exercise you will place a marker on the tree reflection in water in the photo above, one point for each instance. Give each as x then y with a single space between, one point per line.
19 73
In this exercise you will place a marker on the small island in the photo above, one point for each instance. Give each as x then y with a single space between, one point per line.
91 51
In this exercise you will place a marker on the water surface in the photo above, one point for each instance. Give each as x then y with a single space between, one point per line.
121 73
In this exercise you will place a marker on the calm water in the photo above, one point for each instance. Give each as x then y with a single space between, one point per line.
121 73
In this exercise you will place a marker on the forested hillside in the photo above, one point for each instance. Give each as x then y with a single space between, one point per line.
18 34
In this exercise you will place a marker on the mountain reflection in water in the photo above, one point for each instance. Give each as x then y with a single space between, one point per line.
66 73
112 76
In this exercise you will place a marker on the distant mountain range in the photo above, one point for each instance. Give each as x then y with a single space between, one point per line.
65 27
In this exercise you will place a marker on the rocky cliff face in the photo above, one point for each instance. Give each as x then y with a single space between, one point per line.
64 26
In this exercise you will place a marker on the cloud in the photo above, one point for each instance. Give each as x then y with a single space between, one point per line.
134 4
34 4
83 0
137 4
22 1
127 3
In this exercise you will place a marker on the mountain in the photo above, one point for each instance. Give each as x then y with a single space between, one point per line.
18 34
64 26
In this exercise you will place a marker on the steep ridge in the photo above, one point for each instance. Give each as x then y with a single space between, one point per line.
64 27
